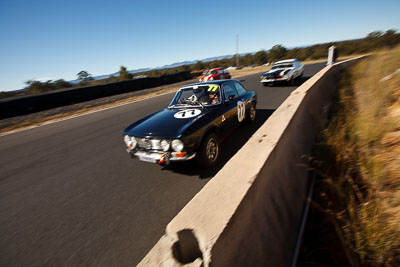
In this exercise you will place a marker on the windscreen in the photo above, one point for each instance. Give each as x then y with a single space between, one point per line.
212 72
202 95
282 66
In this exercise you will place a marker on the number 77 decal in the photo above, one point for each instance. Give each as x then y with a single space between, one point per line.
212 88
241 109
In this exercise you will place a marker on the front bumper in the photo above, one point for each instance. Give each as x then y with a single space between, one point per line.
274 80
160 156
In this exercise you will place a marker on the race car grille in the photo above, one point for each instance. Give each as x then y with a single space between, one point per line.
271 76
148 143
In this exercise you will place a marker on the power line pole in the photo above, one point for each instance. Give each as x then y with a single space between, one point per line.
237 51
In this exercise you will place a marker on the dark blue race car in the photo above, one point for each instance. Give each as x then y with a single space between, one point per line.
198 118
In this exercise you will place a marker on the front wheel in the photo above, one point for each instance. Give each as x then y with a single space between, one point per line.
252 114
209 150
300 78
292 81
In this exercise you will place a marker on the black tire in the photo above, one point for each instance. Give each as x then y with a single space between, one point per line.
251 114
292 81
265 84
209 151
300 79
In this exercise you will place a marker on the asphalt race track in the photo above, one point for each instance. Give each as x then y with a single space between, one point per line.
70 195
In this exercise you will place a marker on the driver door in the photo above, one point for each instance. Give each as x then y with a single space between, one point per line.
231 102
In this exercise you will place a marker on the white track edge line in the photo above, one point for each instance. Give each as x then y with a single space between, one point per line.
90 112
75 116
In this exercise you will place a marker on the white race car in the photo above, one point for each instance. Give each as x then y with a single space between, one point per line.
289 71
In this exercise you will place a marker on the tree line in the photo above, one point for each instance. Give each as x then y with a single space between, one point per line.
373 41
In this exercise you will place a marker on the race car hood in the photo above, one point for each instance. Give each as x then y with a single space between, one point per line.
276 72
167 123
205 78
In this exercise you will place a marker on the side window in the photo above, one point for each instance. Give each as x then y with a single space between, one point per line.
229 89
241 90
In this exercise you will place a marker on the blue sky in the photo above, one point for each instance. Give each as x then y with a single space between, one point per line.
55 39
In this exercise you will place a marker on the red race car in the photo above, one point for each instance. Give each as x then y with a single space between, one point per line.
215 74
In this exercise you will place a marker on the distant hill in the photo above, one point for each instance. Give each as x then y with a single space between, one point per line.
173 65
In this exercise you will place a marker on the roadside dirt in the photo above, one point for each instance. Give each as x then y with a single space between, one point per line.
19 123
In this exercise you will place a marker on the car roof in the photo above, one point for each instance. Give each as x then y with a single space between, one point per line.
286 61
219 82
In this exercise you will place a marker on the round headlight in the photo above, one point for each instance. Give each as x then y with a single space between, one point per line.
133 142
177 145
164 145
127 140
211 79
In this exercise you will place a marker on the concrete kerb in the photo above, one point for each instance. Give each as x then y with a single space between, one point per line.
236 211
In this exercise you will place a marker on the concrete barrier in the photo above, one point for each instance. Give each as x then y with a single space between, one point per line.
249 214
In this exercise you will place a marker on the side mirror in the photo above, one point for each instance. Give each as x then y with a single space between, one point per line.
230 98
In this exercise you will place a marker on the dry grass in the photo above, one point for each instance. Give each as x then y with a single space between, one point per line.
359 158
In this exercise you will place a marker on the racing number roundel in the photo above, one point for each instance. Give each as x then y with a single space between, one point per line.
241 110
188 113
